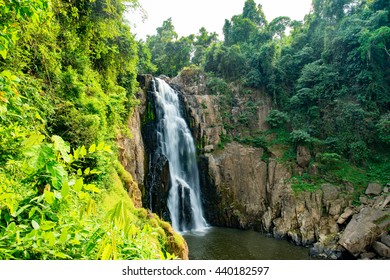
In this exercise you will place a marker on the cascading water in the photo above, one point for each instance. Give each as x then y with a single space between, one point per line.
176 143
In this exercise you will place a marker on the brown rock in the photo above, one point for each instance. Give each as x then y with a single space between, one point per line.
381 249
374 189
348 212
303 156
367 256
385 239
363 230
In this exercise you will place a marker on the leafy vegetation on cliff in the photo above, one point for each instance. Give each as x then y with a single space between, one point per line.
328 78
67 82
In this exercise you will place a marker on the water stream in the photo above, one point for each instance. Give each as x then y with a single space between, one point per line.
176 143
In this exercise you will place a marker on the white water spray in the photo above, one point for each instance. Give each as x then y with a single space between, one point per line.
176 143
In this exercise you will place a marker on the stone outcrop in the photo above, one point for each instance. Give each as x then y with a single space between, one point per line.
365 227
303 156
234 188
374 189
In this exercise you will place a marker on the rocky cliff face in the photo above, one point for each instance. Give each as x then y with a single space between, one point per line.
248 187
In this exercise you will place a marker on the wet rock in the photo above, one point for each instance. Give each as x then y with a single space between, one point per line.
374 189
363 230
303 156
327 248
381 249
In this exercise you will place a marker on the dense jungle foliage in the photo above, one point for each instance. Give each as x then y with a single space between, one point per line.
328 78
67 86
67 82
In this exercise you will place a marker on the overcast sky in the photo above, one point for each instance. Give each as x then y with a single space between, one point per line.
189 16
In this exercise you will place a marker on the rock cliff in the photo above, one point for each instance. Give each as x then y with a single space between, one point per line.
251 187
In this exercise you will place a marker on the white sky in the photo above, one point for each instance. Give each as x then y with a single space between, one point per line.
189 16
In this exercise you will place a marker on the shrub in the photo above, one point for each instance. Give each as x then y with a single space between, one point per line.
276 118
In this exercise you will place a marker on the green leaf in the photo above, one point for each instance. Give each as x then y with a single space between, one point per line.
58 174
64 236
100 147
35 225
50 238
65 189
107 149
78 185
33 140
61 255
17 213
87 171
32 212
76 154
92 148
83 151
3 53
61 146
46 225
79 172
49 197
37 156
92 188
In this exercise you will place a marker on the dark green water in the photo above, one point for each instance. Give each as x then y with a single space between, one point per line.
233 244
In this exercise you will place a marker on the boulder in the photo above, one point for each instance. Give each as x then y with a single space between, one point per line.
363 230
381 249
374 189
303 156
348 212
208 149
386 189
385 239
367 256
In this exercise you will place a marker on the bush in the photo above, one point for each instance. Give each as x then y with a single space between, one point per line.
276 118
300 137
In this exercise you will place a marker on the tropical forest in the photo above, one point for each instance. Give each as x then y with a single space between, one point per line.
119 148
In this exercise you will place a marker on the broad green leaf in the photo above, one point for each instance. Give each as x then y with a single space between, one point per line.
58 174
35 225
32 212
33 140
61 146
79 172
78 185
46 225
100 147
107 149
92 148
76 154
49 197
65 189
61 255
37 156
91 187
50 238
87 171
83 151
3 53
64 235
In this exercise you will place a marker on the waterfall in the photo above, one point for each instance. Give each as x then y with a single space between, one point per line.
176 143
